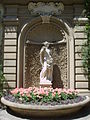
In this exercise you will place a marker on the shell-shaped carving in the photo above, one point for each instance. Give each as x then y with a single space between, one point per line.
42 8
39 4
31 6
51 4
61 6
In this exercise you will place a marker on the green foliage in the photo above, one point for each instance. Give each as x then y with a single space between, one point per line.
1 94
86 48
64 96
72 96
17 95
40 95
87 8
25 98
2 80
33 96
57 97
48 97
45 98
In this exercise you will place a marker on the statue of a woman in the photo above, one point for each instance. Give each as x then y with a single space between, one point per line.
47 64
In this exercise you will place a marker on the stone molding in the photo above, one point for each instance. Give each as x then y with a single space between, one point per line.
47 19
44 110
80 20
42 8
70 50
11 21
25 2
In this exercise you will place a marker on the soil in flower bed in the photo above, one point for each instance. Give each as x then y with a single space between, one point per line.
78 99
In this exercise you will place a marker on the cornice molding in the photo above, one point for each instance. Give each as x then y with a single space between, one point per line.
80 20
25 2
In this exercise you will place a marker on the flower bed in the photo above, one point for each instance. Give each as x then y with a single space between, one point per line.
44 102
35 95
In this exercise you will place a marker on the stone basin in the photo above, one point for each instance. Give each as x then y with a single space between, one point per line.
42 110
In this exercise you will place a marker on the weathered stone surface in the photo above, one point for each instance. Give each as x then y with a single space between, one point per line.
81 77
78 63
9 63
72 15
81 85
43 110
10 76
80 35
1 31
46 32
9 70
10 42
33 66
9 55
11 35
10 49
83 114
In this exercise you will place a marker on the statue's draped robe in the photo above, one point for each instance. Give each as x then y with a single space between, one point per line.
47 65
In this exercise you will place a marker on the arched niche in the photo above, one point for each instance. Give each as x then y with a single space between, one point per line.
27 34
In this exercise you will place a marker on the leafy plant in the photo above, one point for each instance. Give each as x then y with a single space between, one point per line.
86 48
57 97
43 94
33 96
64 96
87 9
2 80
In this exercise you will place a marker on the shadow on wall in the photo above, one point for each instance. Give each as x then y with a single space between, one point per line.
57 82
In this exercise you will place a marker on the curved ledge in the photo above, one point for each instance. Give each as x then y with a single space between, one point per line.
42 110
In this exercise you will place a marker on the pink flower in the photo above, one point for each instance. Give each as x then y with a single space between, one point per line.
15 91
21 93
28 95
53 94
46 93
40 92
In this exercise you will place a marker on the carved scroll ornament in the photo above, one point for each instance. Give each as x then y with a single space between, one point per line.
42 8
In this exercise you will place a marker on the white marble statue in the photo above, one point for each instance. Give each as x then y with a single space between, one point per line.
47 64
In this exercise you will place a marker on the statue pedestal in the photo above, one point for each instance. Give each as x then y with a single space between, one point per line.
46 83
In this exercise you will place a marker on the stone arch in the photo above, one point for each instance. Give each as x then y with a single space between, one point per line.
70 46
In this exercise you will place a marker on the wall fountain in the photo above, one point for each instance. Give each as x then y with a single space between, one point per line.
44 101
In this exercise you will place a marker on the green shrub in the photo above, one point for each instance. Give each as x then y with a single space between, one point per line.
2 80
86 47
